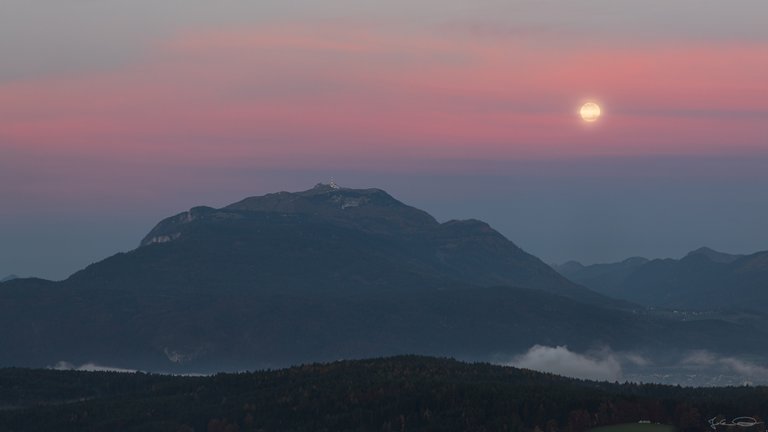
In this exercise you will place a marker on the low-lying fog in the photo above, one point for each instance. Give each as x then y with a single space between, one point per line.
690 368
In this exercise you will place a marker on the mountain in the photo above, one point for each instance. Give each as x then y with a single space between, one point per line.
400 393
316 275
704 279
379 242
601 277
714 256
8 278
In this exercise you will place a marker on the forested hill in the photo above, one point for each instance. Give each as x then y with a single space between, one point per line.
391 394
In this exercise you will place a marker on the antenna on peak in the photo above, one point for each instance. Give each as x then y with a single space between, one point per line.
333 185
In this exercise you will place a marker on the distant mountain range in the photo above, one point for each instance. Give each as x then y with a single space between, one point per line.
317 275
704 279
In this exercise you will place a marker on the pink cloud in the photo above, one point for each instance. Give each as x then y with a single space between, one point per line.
303 94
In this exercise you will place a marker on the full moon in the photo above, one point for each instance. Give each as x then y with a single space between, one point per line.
590 112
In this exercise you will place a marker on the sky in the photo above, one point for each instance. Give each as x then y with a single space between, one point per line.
116 114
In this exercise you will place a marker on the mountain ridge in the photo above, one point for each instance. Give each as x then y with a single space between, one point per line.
713 255
703 279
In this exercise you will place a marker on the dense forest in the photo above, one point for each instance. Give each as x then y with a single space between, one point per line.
392 394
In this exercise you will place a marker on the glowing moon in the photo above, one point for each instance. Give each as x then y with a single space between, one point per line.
590 112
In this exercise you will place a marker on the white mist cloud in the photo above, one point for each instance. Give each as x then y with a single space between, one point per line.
700 358
90 367
636 359
732 364
603 365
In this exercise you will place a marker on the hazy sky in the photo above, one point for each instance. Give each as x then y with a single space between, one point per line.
115 114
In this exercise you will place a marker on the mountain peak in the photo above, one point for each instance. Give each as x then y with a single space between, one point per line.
335 202
372 210
713 255
327 186
636 260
